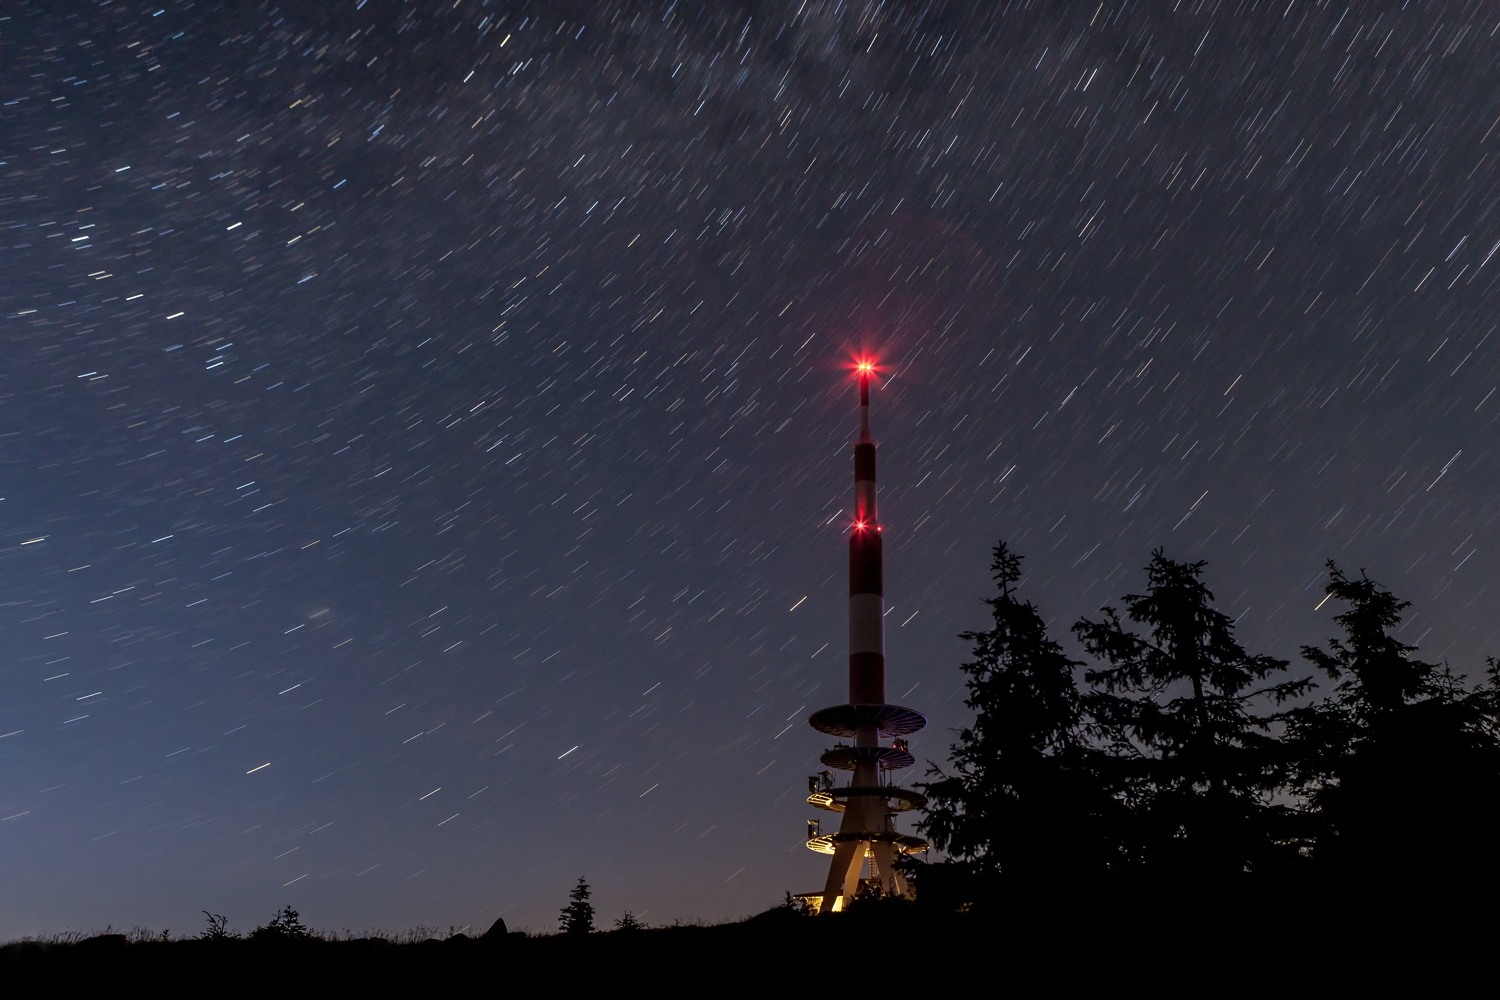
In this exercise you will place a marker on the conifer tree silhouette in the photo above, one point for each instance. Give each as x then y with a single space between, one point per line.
1177 702
578 916
1022 797
1402 761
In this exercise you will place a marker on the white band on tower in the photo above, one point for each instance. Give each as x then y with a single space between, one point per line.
866 623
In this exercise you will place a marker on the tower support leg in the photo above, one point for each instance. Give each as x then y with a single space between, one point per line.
843 874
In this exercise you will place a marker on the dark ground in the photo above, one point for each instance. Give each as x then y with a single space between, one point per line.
1214 945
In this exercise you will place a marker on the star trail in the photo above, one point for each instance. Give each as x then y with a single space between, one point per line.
425 427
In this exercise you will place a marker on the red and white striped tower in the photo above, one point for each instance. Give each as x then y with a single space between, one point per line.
867 833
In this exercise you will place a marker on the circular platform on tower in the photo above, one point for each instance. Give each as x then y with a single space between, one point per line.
844 758
897 799
904 843
848 720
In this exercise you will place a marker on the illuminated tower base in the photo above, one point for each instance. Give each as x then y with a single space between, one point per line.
867 845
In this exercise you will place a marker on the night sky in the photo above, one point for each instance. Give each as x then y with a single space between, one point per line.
424 427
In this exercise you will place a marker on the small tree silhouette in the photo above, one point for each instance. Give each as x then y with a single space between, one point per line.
629 922
218 928
578 916
285 926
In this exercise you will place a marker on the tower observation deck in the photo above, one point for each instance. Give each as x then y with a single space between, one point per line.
867 844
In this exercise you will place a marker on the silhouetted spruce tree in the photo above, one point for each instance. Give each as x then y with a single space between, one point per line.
1178 699
578 916
1023 798
1401 762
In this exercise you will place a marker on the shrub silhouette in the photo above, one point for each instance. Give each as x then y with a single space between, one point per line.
218 928
285 926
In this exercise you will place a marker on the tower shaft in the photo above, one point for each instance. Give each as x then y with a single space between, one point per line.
866 572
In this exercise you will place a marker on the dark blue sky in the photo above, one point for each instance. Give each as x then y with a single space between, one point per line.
421 421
